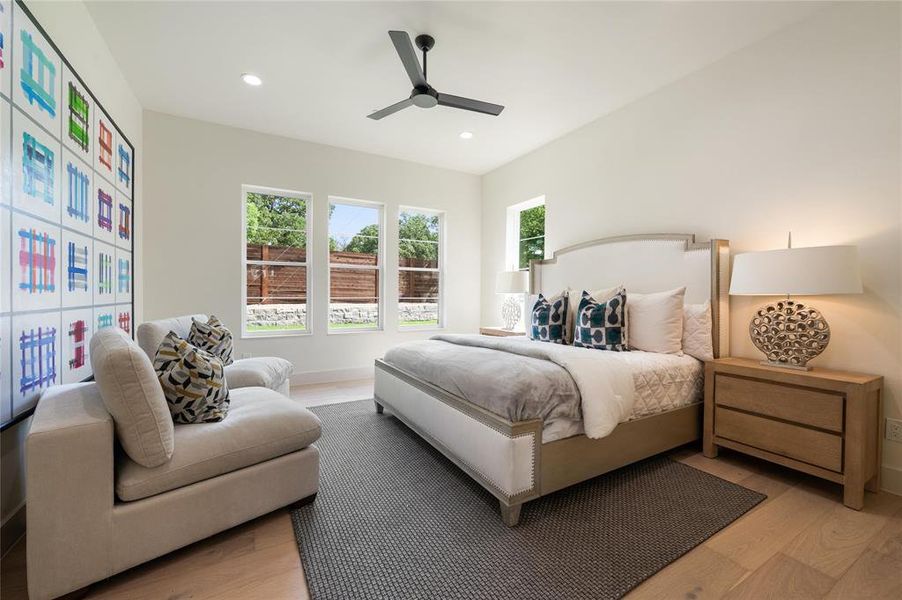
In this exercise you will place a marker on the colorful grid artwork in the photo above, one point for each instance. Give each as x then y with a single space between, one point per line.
37 349
37 261
77 198
104 320
104 210
77 333
125 221
124 276
66 213
125 321
124 168
79 113
37 166
77 267
104 273
38 75
105 145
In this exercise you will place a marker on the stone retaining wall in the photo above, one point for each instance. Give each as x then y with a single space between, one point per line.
281 315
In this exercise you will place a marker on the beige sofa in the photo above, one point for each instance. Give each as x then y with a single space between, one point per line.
260 371
94 511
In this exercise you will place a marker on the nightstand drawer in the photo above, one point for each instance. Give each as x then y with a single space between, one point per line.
808 445
799 405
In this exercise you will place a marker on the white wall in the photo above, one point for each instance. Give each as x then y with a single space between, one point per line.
798 132
194 173
72 29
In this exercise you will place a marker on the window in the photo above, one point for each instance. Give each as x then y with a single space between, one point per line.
355 265
420 265
526 232
276 230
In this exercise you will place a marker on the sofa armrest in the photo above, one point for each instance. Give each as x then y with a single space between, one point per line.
69 486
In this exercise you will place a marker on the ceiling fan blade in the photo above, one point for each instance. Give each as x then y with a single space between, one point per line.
408 57
390 110
470 104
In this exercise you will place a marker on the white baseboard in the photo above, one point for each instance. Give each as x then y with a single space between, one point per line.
333 376
891 480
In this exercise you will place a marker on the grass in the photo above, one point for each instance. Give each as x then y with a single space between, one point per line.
419 323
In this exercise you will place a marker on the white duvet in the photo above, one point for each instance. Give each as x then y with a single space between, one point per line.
605 379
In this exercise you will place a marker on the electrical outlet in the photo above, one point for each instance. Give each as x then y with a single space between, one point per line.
894 430
245 355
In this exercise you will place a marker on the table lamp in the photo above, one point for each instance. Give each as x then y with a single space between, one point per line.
512 282
789 332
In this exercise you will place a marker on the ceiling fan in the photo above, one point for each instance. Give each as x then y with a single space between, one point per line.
423 94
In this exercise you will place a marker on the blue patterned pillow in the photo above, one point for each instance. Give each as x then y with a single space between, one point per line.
549 319
601 325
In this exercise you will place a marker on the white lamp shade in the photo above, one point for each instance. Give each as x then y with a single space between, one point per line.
512 282
797 271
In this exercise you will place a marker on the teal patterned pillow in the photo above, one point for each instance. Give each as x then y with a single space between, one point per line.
601 325
549 319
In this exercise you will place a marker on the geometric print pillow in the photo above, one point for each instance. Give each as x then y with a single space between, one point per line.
193 382
549 319
601 325
212 337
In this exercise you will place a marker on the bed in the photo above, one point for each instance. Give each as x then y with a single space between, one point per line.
522 441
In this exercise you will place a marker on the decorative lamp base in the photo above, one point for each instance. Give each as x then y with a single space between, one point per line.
789 334
510 313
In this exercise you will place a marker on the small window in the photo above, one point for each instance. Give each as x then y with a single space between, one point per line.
420 265
526 232
355 265
276 230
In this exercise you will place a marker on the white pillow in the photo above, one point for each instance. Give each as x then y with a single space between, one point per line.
576 295
697 331
655 321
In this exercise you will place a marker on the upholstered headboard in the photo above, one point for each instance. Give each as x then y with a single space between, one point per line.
644 264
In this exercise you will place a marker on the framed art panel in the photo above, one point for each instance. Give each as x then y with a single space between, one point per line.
36 357
78 326
6 370
36 169
78 260
66 213
78 117
77 194
6 159
5 37
37 74
36 265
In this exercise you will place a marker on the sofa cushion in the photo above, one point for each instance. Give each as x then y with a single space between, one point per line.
132 394
151 333
213 337
193 382
262 425
260 371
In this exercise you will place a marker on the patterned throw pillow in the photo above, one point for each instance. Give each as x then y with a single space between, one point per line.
193 382
601 325
549 319
212 337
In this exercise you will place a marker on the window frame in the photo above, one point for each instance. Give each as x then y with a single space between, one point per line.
512 239
307 264
380 266
440 269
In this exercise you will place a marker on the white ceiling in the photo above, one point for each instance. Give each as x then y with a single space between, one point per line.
325 66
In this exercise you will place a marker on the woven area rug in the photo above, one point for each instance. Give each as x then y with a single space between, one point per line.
396 519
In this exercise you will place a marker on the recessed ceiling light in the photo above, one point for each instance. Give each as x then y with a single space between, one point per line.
465 135
251 79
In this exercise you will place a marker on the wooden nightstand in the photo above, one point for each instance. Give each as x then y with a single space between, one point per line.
499 331
825 423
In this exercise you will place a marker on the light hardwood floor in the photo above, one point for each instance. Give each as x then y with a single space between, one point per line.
800 543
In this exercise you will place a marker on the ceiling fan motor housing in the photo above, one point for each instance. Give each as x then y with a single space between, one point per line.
424 97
